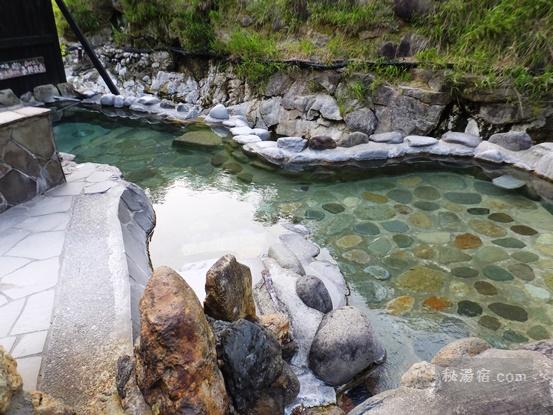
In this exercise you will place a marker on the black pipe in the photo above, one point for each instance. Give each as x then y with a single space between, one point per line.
86 46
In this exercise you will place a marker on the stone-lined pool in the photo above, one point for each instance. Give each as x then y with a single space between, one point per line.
434 251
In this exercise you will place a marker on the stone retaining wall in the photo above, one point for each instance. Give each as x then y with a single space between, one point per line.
29 163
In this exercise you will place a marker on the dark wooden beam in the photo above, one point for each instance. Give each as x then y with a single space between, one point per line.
87 47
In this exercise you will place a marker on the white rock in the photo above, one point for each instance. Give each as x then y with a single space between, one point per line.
472 127
119 102
130 101
461 138
246 139
394 137
292 144
508 182
219 112
107 100
420 141
148 100
492 155
242 131
262 133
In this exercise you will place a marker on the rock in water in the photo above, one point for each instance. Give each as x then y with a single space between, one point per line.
204 138
313 293
344 346
219 112
228 289
176 360
10 381
258 379
321 142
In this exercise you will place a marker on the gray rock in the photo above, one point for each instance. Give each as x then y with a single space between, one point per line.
420 141
508 182
119 101
130 101
219 112
67 90
269 111
344 346
472 127
362 120
304 250
148 100
107 100
393 137
246 139
166 104
8 98
512 140
467 140
183 107
262 133
353 139
257 378
46 93
285 258
326 106
292 144
313 293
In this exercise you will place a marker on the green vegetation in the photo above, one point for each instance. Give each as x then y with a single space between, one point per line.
489 42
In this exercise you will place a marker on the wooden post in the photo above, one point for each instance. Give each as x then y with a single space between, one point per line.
86 46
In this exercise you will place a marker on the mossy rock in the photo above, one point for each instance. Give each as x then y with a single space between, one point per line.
205 138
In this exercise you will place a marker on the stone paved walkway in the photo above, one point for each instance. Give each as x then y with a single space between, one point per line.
32 237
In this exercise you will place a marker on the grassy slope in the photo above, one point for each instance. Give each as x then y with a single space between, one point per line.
495 42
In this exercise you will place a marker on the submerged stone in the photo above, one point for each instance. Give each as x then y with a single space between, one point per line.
434 237
524 230
202 138
525 256
333 207
377 212
449 220
403 241
340 224
436 303
380 246
448 255
509 243
410 181
400 195
537 292
422 279
420 220
358 256
485 288
232 167
367 228
377 272
538 333
487 188
424 251
487 228
478 211
427 193
426 206
245 177
395 226
496 273
489 322
313 214
469 308
463 198
508 182
488 254
500 217
374 197
447 181
218 159
522 271
509 312
400 305
467 241
465 272
515 337
403 209
349 241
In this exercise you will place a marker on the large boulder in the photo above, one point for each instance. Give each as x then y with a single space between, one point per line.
313 293
353 139
176 360
469 377
362 120
8 98
204 138
10 381
228 289
322 142
344 346
259 381
46 93
512 140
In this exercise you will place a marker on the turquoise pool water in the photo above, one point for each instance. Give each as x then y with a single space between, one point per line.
436 250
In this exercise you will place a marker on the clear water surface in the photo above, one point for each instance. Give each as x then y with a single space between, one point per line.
432 252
